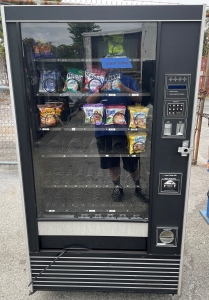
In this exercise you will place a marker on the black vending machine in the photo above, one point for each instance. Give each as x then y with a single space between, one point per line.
104 104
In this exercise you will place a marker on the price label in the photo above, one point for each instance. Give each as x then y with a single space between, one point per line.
116 62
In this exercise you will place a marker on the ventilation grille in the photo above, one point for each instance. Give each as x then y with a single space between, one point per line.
99 272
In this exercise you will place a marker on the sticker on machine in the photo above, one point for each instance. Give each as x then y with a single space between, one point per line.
170 183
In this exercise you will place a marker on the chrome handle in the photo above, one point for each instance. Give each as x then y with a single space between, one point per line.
185 150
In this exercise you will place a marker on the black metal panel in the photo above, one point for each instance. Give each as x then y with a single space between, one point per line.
105 271
94 242
178 55
14 42
102 13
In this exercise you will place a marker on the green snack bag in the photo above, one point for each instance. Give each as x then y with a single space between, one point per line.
74 80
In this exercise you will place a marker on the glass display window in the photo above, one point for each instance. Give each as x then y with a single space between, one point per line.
90 97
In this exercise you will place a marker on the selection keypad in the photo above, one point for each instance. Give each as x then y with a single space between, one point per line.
175 109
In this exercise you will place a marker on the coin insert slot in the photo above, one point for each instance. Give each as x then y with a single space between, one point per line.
180 129
167 129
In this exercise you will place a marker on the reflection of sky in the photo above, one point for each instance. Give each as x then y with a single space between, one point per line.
58 34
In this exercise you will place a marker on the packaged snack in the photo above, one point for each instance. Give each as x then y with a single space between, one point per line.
94 113
115 114
42 49
94 79
138 116
50 113
115 44
136 142
113 82
74 80
48 80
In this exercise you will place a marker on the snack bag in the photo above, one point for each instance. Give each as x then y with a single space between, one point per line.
115 114
94 80
115 44
74 80
138 116
136 142
50 113
48 80
42 49
113 83
93 113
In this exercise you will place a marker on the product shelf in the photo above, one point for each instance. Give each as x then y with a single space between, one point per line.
66 127
55 60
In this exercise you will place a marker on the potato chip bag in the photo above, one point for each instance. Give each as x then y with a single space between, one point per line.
94 113
113 82
74 80
138 116
94 79
115 114
136 142
48 80
42 49
50 113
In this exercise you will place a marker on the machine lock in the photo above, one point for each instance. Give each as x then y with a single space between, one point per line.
185 150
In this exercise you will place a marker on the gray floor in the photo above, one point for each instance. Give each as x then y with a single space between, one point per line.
13 268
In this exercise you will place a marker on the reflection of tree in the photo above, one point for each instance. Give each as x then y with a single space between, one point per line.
76 49
77 30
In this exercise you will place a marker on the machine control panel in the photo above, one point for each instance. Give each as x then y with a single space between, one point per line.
176 98
175 109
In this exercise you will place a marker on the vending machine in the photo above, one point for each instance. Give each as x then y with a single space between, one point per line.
104 103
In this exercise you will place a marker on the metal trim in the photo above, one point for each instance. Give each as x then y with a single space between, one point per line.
108 258
114 279
110 275
101 286
82 263
97 21
103 271
16 139
122 283
119 267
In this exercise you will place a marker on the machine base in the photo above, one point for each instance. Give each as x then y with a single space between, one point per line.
110 271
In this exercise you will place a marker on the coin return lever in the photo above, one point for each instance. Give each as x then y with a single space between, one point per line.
185 150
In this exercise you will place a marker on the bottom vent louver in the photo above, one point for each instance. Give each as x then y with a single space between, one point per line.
96 270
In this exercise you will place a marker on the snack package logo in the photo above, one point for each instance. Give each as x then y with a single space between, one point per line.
94 76
89 112
112 77
110 112
74 76
139 139
140 118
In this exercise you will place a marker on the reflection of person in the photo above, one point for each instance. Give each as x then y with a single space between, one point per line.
106 138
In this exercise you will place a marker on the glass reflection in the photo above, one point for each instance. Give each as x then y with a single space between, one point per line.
90 96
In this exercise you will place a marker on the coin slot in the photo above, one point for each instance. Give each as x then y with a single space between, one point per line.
167 129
